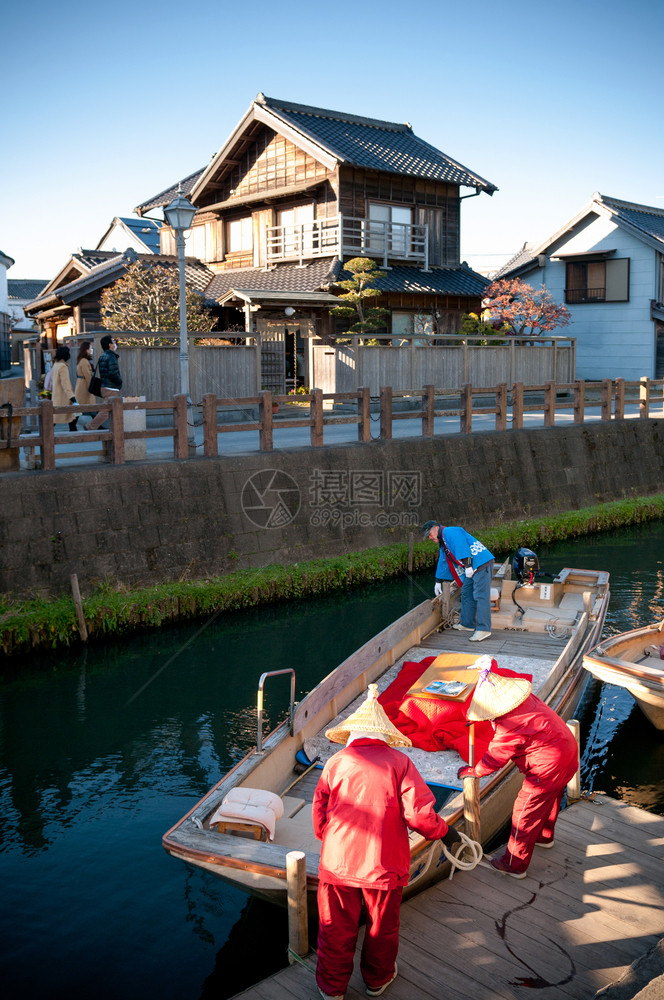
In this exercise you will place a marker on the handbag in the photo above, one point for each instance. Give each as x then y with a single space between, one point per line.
95 383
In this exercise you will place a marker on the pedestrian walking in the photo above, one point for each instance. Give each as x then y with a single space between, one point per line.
469 563
61 389
367 798
108 370
84 372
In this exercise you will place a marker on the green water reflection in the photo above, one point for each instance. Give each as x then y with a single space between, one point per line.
101 751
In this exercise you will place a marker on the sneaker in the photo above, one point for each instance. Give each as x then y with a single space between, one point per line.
331 996
379 990
463 628
502 867
545 844
478 636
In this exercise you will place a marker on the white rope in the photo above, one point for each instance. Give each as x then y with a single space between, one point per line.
456 861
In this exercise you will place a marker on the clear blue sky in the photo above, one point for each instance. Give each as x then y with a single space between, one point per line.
104 106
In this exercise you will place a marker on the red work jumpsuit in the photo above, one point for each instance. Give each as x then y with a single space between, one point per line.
367 797
543 748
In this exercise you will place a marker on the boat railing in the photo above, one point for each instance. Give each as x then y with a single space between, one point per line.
291 710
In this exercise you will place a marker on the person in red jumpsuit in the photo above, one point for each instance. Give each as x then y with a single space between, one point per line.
538 741
367 798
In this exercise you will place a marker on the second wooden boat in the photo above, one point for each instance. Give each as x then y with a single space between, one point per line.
632 660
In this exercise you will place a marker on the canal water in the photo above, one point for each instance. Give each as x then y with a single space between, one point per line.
102 750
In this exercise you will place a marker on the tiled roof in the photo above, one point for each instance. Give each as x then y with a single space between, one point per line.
112 266
644 217
521 259
374 144
437 281
286 277
165 197
323 273
25 288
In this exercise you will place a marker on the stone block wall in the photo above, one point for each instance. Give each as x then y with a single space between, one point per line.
148 522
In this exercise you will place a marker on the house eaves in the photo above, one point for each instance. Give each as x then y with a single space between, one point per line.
166 196
627 215
263 295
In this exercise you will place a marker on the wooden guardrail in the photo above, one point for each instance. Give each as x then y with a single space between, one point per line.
508 404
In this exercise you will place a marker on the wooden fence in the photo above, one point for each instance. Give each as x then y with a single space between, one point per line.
507 404
451 361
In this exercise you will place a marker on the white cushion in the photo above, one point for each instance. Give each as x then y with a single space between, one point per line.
250 805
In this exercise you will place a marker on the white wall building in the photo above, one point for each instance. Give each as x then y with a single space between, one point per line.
607 266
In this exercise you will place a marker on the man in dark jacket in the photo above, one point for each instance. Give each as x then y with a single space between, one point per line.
109 372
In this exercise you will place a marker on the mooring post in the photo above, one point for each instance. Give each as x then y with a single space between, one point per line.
78 604
298 923
574 786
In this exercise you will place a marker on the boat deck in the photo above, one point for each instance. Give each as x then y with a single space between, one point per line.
502 642
590 907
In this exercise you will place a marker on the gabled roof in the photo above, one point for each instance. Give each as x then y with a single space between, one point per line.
645 222
25 288
523 260
108 270
333 137
145 230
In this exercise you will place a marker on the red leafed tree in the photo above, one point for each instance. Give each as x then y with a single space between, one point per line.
526 311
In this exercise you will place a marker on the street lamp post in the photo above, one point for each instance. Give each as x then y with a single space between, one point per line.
179 215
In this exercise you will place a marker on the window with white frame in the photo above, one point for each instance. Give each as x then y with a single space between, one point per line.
297 228
391 223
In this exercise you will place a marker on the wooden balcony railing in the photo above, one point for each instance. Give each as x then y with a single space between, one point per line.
508 405
347 235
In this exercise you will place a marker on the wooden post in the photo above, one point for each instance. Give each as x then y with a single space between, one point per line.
606 399
298 924
47 435
411 541
501 407
428 408
517 406
574 786
265 420
579 401
78 604
210 445
180 448
117 430
466 407
316 416
619 408
644 397
386 413
549 404
364 414
471 793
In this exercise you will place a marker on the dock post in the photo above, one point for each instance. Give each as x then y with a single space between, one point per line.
78 604
574 786
298 924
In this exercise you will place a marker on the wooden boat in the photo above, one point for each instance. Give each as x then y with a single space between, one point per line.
632 661
541 629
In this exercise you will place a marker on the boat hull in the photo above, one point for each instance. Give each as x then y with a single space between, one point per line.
631 660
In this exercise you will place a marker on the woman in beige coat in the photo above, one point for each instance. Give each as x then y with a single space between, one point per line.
84 372
61 391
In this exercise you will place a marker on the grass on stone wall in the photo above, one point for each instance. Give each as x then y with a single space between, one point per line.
113 610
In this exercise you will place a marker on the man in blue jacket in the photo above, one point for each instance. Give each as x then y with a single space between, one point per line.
469 563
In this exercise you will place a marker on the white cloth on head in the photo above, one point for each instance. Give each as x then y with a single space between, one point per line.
365 736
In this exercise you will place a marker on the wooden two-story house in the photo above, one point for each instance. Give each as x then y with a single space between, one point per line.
295 191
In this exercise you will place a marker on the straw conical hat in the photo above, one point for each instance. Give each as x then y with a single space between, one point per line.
495 695
369 718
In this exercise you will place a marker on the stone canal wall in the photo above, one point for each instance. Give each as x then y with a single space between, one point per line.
152 522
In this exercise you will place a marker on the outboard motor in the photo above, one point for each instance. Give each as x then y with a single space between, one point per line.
525 565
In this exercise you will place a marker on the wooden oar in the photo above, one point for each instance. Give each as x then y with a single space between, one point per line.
471 793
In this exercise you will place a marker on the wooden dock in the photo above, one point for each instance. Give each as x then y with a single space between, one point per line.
589 907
